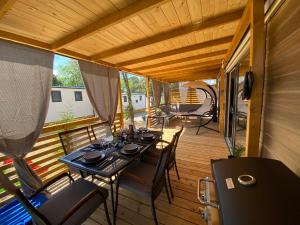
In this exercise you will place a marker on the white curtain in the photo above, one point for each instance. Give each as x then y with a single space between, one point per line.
25 85
183 92
102 85
157 91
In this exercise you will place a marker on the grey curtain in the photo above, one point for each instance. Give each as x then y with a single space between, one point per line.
166 94
102 85
183 92
25 85
167 97
157 91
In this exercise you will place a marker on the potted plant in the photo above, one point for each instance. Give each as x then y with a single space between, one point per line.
238 151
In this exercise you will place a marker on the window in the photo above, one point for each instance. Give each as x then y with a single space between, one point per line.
136 101
78 96
124 98
56 96
141 97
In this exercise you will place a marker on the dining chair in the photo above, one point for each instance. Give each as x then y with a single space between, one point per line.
156 122
75 139
152 157
71 205
102 130
145 180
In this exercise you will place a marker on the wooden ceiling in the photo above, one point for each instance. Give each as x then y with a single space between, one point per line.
169 40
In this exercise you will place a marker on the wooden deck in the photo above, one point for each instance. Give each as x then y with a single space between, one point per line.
193 157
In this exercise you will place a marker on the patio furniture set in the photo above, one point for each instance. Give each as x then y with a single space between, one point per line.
138 161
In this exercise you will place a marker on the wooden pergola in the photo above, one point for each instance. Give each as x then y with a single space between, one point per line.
167 40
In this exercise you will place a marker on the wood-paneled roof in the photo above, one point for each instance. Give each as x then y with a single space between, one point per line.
170 40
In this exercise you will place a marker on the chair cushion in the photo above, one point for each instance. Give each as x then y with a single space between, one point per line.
59 204
138 178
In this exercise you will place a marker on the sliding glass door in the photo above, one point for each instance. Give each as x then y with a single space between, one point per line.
231 106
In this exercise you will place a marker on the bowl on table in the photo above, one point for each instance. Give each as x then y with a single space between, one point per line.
147 137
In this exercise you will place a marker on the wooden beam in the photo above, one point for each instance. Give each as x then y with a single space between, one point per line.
23 40
175 73
257 59
202 45
42 45
216 62
203 72
181 60
5 6
213 22
114 18
240 31
192 77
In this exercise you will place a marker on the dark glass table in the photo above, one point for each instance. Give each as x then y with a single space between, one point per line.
113 162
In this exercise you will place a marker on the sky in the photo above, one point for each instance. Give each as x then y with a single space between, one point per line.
59 60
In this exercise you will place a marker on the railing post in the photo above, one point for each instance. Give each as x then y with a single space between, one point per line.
120 103
257 59
222 101
148 98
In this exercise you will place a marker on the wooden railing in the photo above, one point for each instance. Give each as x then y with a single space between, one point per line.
192 97
46 152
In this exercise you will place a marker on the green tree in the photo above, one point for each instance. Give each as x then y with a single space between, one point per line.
136 84
70 74
56 81
129 108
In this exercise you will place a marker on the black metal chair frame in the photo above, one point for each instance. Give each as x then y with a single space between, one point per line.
172 159
158 183
71 131
157 118
65 147
93 126
109 181
36 215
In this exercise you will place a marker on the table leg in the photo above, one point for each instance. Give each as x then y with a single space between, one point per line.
112 196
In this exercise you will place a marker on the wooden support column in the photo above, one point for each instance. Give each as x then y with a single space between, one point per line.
222 101
257 59
120 104
148 96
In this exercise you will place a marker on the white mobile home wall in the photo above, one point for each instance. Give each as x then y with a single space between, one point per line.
69 105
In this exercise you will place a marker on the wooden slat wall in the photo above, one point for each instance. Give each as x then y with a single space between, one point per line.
281 121
191 98
46 152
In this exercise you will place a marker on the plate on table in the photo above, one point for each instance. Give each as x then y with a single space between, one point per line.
92 157
147 137
142 130
130 149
